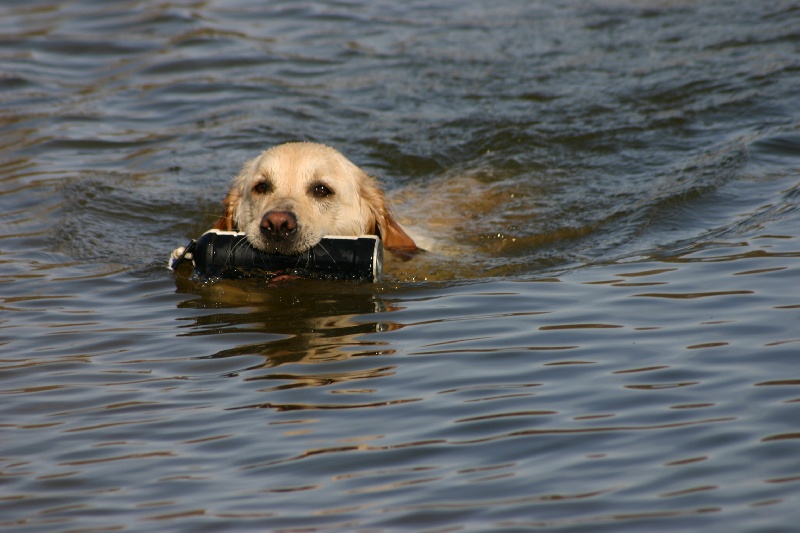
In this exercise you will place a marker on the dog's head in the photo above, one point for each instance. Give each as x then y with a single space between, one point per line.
292 195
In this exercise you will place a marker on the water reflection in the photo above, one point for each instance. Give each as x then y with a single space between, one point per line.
304 322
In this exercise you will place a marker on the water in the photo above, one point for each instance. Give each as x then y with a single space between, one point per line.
607 343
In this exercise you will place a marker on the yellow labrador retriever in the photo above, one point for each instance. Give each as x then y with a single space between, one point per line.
289 197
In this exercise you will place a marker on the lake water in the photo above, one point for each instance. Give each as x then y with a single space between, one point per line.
615 346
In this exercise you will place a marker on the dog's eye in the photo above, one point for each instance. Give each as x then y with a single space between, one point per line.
321 191
262 187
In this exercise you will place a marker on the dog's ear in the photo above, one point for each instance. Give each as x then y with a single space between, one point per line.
394 236
382 223
227 221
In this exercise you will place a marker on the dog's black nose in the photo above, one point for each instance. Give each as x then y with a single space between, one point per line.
278 225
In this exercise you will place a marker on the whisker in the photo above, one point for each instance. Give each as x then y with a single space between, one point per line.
326 252
301 257
240 243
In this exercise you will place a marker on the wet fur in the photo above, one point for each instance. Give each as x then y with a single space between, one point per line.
291 173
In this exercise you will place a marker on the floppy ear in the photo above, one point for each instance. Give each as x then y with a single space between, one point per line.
227 221
394 236
383 224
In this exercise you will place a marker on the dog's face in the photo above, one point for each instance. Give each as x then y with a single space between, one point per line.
292 195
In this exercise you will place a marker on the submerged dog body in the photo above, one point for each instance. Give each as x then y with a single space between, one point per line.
289 197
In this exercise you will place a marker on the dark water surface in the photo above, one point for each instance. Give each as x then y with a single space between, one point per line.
614 347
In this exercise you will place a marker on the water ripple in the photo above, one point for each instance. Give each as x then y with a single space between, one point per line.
605 341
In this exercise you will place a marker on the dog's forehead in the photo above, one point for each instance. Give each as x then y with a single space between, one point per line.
293 166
